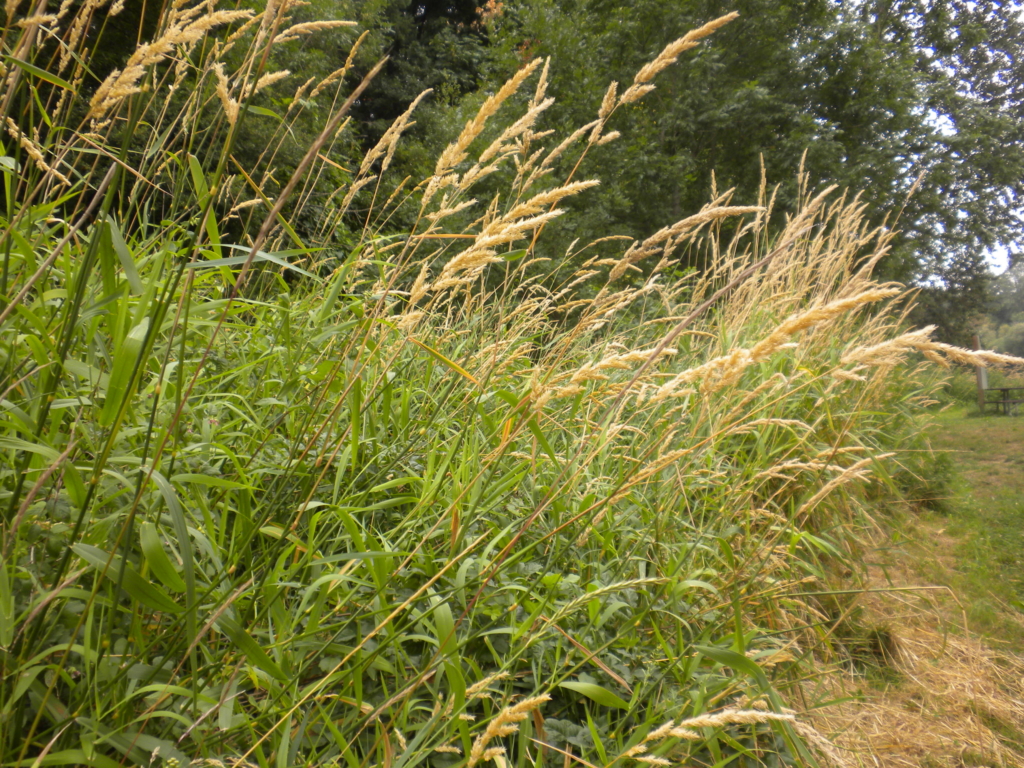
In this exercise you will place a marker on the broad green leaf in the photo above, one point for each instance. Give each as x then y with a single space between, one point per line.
444 623
74 484
90 373
262 111
735 661
25 679
596 693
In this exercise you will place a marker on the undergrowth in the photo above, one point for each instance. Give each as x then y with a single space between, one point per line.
443 498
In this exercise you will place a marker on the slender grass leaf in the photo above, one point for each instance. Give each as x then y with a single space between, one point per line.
360 556
198 178
226 711
597 694
183 540
137 587
156 557
539 434
17 444
42 74
397 482
132 743
27 425
69 757
250 648
122 372
232 261
6 607
339 280
445 361
203 193
170 690
285 224
217 482
125 257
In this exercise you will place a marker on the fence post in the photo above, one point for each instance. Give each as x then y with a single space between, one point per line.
981 375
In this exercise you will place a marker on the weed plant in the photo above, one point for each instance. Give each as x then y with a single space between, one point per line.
449 498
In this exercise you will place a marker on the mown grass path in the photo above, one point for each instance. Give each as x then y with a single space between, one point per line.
985 515
951 693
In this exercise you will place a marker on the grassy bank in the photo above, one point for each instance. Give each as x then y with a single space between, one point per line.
443 498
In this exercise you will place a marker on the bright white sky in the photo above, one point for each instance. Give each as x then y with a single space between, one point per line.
999 260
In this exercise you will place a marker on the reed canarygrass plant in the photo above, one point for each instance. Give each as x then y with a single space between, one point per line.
450 499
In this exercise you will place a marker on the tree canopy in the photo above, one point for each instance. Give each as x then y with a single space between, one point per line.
917 106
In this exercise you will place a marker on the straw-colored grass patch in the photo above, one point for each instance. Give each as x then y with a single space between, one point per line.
943 697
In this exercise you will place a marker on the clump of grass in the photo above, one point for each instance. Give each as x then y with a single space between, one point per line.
385 514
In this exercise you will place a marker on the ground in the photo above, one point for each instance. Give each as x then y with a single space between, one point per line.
941 678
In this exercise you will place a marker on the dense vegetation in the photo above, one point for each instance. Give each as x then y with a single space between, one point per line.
881 98
878 97
1002 327
884 98
459 492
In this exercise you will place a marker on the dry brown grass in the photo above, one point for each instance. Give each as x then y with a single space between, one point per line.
951 699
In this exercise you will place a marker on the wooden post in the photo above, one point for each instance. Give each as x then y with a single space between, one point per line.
981 375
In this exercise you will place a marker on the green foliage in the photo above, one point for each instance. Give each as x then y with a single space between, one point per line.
878 98
960 388
1003 327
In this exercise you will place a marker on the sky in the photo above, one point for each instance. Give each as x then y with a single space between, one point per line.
999 259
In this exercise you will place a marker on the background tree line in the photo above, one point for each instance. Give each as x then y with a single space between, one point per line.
885 98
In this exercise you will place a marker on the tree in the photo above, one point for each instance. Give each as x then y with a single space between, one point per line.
932 90
886 97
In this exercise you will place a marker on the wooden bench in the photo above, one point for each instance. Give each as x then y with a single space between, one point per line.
1008 398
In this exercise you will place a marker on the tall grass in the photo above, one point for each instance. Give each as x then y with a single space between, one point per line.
450 498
